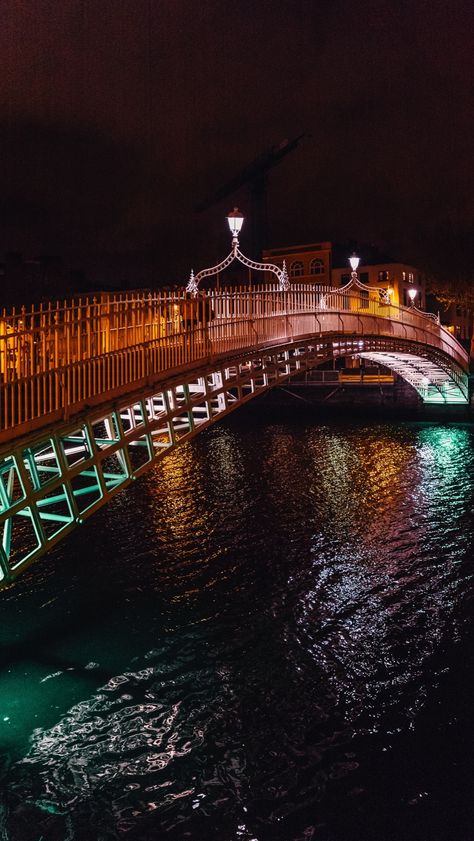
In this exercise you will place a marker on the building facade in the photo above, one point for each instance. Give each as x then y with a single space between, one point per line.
326 264
304 263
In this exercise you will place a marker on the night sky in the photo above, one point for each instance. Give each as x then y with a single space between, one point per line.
119 116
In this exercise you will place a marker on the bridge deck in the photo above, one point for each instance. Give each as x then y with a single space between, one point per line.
56 361
88 406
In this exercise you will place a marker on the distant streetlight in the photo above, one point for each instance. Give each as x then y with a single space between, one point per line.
412 293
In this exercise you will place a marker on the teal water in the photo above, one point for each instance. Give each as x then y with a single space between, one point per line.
269 636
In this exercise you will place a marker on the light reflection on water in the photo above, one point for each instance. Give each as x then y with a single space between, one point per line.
232 648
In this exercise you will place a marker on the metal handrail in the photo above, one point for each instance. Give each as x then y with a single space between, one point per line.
60 358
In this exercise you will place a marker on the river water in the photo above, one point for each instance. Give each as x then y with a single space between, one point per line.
269 637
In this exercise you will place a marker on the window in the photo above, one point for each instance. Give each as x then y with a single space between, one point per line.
316 267
296 269
383 275
410 277
345 278
364 277
404 275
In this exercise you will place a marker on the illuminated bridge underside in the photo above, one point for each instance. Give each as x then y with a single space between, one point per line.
52 483
434 384
54 479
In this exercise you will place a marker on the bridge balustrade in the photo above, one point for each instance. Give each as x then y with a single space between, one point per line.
55 359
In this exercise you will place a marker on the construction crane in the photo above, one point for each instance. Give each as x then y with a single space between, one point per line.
256 175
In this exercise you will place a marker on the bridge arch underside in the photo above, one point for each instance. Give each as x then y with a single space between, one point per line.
433 374
54 479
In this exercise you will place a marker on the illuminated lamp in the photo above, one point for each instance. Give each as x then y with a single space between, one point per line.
354 261
412 295
235 220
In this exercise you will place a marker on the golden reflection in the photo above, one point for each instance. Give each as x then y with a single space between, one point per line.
190 493
355 478
383 592
176 491
381 491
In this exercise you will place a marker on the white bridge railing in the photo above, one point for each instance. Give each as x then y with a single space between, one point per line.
56 359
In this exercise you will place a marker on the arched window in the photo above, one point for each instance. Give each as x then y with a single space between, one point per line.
316 267
296 269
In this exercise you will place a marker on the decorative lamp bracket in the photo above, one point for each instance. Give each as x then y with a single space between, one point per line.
355 283
433 316
384 296
236 254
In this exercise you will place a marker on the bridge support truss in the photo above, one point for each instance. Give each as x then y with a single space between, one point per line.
51 483
437 378
52 480
435 381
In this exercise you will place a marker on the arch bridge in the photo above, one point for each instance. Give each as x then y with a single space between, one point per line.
93 392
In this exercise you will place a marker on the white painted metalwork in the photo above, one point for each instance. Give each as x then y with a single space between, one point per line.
57 363
111 392
384 293
52 482
433 382
235 254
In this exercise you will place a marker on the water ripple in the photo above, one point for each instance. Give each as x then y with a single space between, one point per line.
274 610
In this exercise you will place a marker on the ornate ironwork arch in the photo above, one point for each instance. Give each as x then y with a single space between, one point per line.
236 254
384 294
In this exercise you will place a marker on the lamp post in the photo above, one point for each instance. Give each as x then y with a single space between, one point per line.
354 261
384 293
235 221
412 292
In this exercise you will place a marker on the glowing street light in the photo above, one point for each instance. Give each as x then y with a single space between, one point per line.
412 292
236 220
354 261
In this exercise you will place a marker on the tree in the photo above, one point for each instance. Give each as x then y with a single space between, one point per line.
449 261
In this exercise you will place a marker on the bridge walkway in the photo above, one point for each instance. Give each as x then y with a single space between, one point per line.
74 435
